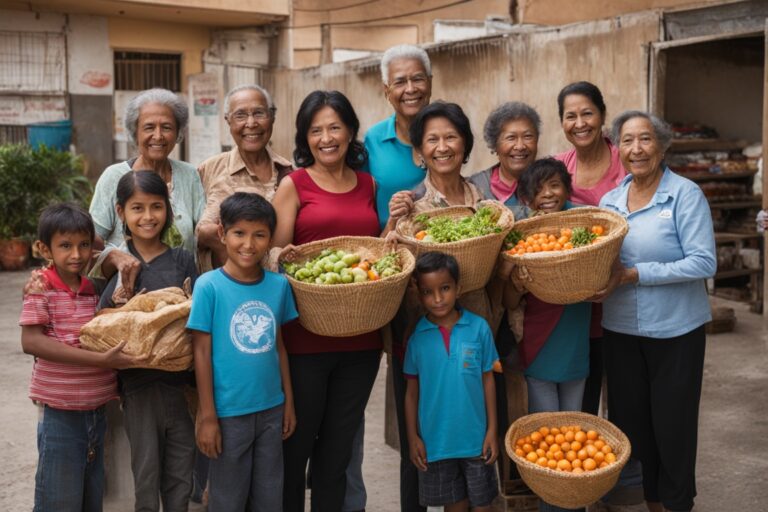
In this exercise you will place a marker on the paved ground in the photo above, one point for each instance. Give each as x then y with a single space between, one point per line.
733 431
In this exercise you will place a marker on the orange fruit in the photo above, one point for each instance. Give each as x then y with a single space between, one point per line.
610 458
592 435
580 436
564 465
576 463
581 454
527 448
603 465
598 230
544 431
559 438
599 457
541 453
532 457
519 452
536 437
552 464
589 465
566 446
576 446
550 438
570 456
569 436
607 449
577 471
554 431
599 444
544 446
559 455
567 245
591 450
542 461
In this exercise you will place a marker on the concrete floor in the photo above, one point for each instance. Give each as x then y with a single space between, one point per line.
733 425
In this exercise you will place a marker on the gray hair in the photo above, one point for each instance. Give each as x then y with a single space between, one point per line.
660 127
509 111
162 97
250 87
404 51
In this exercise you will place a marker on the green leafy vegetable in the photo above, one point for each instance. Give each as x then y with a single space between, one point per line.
581 237
445 229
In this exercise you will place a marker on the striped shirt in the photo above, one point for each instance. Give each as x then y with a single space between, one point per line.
62 313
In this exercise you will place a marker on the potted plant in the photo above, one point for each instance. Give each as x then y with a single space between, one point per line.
30 180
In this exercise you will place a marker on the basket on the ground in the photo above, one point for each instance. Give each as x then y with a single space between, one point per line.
476 256
350 309
568 277
561 488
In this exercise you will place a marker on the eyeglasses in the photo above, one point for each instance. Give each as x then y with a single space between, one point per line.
241 116
402 82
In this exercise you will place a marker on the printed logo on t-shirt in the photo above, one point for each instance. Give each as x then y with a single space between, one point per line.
252 329
665 214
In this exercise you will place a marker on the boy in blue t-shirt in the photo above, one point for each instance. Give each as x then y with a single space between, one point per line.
450 403
241 366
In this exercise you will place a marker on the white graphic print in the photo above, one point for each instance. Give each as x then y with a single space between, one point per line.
252 329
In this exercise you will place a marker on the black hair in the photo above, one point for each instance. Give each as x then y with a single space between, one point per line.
64 218
540 171
450 111
356 156
434 261
247 206
148 182
584 89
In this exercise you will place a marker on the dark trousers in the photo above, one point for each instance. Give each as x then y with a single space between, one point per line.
655 387
330 393
409 475
591 401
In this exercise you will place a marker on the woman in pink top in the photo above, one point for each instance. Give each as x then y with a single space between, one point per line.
332 377
593 163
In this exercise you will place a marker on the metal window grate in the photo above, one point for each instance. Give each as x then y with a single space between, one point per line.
136 71
32 62
13 134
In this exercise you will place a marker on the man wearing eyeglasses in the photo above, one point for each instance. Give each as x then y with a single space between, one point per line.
250 166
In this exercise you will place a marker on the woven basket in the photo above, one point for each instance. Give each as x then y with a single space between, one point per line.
476 256
568 277
342 310
560 488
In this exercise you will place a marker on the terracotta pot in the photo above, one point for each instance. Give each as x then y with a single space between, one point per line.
14 253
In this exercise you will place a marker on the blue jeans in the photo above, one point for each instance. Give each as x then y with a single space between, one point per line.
248 474
546 396
70 467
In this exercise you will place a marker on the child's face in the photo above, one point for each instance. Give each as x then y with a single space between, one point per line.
438 292
551 196
247 242
144 214
70 252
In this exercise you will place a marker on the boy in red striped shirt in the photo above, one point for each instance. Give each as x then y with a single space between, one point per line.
71 384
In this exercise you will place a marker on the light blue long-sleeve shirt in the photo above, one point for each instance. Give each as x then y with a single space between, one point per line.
671 242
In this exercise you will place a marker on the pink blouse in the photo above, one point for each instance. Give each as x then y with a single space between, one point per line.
610 180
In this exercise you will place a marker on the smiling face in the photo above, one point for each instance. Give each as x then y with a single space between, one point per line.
250 120
70 253
442 147
582 121
639 149
438 292
551 196
517 146
408 86
156 131
144 215
328 138
246 242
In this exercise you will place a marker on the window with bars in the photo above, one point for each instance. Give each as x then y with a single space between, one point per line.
136 71
32 62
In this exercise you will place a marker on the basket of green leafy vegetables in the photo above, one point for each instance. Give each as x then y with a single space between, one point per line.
474 236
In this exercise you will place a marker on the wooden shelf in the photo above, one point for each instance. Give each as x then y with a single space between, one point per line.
734 205
682 145
725 274
725 237
713 176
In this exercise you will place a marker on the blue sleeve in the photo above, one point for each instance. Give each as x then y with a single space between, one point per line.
289 304
489 348
203 301
409 363
102 207
693 222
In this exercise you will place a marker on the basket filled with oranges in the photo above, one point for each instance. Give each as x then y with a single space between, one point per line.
569 459
565 257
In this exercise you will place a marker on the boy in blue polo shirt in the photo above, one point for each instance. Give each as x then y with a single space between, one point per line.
450 403
241 366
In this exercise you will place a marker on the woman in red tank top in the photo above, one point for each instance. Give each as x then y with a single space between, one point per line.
332 377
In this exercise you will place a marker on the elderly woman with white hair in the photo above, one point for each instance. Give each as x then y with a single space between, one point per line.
155 121
655 308
406 75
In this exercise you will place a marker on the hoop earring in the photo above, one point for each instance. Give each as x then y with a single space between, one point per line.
423 164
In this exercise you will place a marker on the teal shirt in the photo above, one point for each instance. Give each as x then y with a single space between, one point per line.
390 162
187 201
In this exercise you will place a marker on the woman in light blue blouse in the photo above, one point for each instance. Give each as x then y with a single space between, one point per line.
655 308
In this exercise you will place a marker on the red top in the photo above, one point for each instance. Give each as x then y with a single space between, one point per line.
62 313
322 215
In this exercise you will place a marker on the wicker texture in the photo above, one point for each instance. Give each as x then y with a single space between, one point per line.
568 277
341 310
476 256
561 488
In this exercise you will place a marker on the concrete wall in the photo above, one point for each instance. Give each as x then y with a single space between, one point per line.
531 65
559 12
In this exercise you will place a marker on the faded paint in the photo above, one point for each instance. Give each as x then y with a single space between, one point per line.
89 58
26 21
531 65
152 36
561 12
